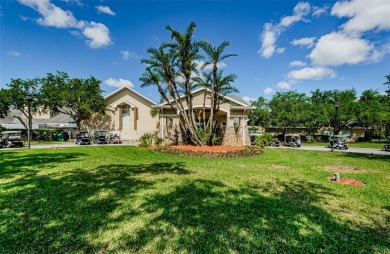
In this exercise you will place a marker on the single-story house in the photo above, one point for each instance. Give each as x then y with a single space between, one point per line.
231 120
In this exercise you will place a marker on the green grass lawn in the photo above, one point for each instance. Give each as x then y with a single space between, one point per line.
110 199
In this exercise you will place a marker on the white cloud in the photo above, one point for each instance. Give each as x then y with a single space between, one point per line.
283 85
53 16
336 49
364 15
268 90
118 82
304 42
248 99
74 2
272 31
14 53
97 34
105 9
300 11
318 11
311 73
76 33
24 18
268 40
126 55
297 63
199 65
280 50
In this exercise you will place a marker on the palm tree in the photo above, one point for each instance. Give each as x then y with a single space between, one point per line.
205 82
166 64
216 56
222 88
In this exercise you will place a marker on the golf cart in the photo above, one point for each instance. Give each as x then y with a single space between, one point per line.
100 137
11 139
340 142
292 141
82 138
387 146
276 141
115 138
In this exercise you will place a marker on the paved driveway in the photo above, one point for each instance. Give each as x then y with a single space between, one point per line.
350 150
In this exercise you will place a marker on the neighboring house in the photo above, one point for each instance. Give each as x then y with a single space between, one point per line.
231 120
39 121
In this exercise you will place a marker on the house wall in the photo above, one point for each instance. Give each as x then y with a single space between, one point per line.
140 121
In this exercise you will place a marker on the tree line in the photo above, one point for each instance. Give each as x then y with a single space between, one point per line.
293 109
54 94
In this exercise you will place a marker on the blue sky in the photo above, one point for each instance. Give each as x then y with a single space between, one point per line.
282 45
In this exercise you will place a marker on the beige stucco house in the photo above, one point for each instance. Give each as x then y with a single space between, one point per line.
231 120
128 113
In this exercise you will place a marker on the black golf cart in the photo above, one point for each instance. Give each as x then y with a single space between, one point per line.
276 141
100 137
292 140
82 138
11 139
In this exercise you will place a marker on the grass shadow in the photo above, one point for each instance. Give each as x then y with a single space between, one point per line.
12 162
208 217
364 156
57 213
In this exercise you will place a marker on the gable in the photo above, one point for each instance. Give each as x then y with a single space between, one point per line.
126 95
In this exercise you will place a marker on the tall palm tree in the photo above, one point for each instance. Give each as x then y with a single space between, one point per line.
222 88
168 63
205 82
216 56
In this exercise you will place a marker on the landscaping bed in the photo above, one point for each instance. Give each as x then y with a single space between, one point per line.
211 151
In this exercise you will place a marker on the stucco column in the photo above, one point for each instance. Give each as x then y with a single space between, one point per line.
229 137
243 137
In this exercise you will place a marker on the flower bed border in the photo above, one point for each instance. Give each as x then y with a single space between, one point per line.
247 152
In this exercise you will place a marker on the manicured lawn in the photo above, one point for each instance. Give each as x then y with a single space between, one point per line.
375 145
125 200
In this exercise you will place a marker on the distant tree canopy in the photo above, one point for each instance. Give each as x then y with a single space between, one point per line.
54 94
292 109
78 98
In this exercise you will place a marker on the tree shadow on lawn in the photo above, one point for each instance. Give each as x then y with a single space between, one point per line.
54 213
209 217
385 158
12 163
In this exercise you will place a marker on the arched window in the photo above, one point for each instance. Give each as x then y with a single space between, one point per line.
126 117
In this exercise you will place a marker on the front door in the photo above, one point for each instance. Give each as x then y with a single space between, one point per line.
126 117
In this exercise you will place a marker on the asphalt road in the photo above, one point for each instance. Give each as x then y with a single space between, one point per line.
350 150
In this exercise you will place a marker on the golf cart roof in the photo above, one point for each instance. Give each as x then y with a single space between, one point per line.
11 132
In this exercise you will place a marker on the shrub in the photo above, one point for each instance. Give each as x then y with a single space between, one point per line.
146 140
264 140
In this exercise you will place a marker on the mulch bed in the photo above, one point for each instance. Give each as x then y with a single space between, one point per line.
346 181
209 149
